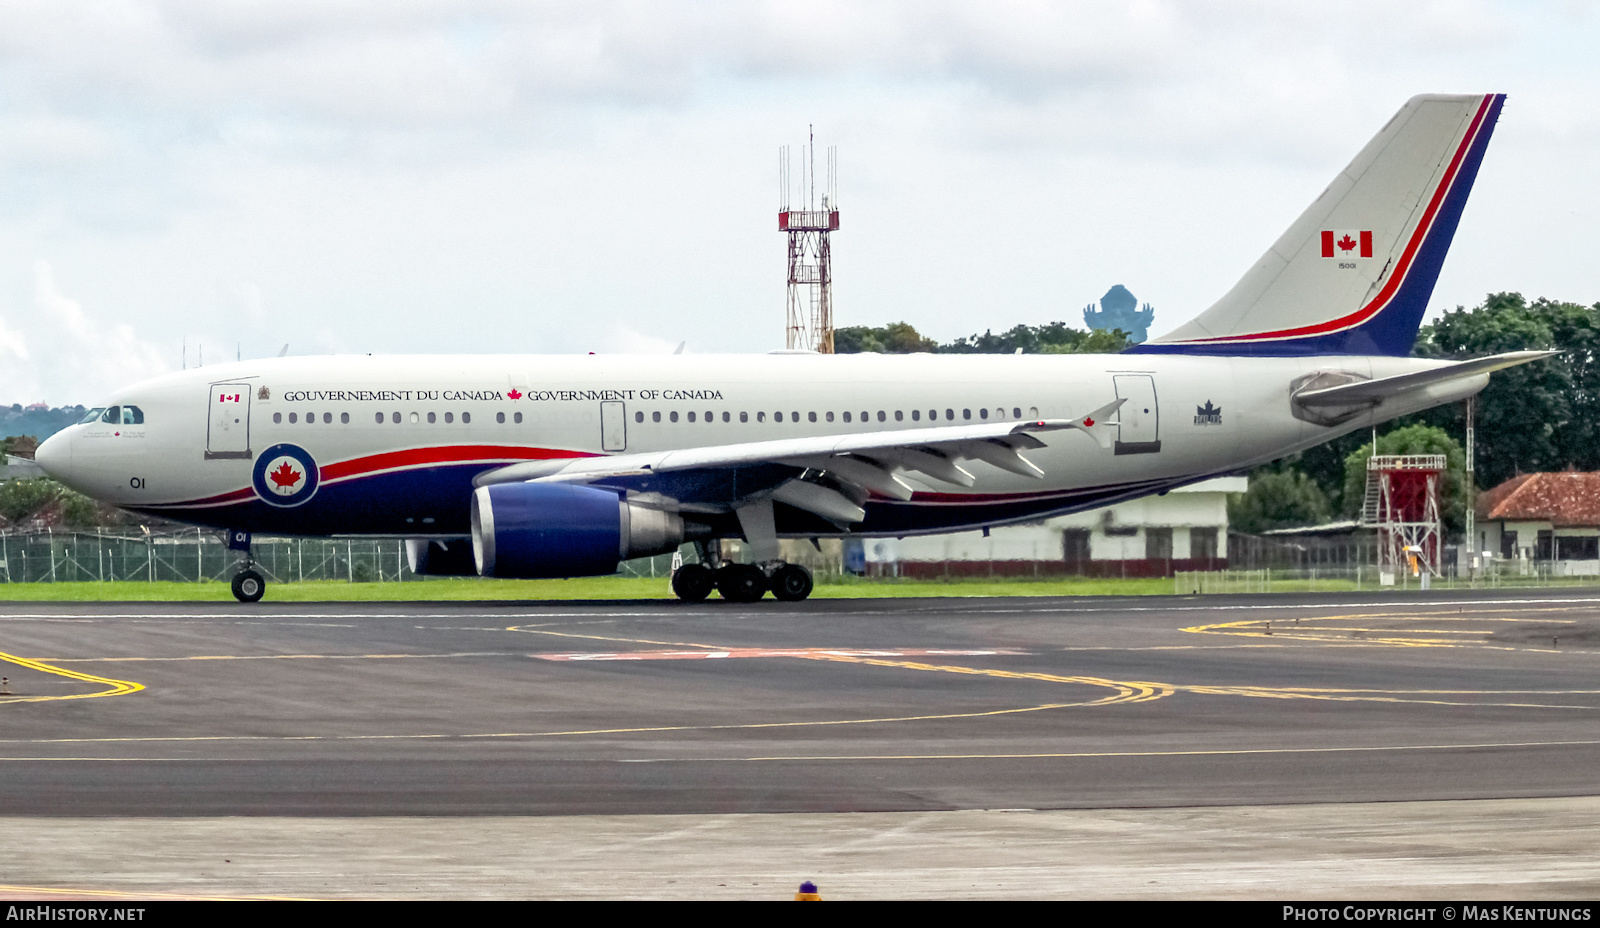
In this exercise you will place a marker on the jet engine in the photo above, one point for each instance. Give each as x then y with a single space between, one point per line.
434 558
530 530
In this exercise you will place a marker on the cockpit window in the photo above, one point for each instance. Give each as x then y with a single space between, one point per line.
132 415
92 415
113 415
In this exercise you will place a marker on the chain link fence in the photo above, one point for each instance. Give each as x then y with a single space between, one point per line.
196 555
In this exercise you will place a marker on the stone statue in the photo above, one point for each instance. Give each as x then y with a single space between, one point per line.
1117 312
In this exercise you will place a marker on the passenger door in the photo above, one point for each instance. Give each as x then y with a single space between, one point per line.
228 431
613 426
1140 431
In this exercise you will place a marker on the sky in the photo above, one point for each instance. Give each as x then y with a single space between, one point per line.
497 175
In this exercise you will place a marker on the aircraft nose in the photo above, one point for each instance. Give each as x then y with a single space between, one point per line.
55 455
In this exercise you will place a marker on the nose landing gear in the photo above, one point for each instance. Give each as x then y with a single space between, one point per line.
248 585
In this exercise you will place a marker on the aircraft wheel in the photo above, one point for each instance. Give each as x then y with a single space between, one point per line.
741 583
248 586
693 582
791 583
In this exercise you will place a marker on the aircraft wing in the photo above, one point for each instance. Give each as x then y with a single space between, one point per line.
1372 392
828 475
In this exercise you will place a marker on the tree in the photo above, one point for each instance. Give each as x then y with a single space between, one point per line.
1051 338
1543 416
1413 439
1278 499
22 499
894 338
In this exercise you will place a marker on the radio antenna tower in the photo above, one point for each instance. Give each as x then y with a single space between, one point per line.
810 296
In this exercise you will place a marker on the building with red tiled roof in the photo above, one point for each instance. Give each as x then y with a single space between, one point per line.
1554 518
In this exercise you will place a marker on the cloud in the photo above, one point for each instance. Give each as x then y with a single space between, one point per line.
65 354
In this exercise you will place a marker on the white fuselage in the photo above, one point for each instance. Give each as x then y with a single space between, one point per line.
398 439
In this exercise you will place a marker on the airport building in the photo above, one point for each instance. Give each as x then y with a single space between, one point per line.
1183 530
1550 522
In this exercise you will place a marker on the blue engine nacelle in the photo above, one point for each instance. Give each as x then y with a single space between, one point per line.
530 530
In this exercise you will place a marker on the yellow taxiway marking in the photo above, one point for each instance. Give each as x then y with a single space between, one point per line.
115 687
1126 690
1394 634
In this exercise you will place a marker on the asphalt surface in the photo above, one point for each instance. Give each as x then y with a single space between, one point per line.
830 706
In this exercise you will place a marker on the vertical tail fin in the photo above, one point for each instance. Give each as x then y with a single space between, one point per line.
1353 275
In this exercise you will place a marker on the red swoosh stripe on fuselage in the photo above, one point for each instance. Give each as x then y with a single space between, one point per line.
1403 267
392 461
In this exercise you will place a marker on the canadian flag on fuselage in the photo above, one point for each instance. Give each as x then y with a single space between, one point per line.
1347 243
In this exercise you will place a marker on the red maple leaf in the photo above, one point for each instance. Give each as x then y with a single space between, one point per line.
515 394
285 476
1088 421
1346 243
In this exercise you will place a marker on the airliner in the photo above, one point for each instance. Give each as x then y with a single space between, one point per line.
557 466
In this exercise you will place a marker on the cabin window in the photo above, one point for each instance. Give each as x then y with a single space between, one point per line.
414 419
899 416
344 418
1033 412
949 414
794 417
711 416
830 417
378 417
744 417
517 418
293 418
432 419
655 417
881 416
1016 412
637 417
327 418
277 418
966 414
847 417
449 417
691 416
396 418
466 417
726 417
761 417
500 417
811 417
673 416
983 414
777 417
916 415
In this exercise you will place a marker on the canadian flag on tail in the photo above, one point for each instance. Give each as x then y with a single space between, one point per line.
1347 243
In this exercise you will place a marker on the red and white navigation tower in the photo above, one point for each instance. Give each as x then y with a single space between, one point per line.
810 297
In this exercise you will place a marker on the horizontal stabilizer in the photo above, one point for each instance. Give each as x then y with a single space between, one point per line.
1372 392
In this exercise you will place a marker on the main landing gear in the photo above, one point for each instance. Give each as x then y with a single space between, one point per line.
248 585
740 583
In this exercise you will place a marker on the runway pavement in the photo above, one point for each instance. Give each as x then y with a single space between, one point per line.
827 707
606 709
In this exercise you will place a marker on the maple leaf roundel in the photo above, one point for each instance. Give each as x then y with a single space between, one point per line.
285 475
